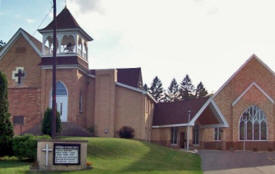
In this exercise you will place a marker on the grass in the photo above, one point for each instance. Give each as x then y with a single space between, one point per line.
121 156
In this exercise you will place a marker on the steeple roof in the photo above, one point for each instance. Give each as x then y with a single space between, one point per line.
65 21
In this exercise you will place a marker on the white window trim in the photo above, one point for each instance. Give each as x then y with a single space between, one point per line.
173 134
219 131
239 137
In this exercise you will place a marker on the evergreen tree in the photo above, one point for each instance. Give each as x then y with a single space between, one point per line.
145 87
172 92
156 90
201 91
6 128
186 88
47 122
2 44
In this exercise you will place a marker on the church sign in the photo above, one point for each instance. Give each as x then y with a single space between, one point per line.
66 154
61 155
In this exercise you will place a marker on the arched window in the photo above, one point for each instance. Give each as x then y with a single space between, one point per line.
253 124
60 89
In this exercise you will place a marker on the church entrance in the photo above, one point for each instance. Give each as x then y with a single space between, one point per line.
61 101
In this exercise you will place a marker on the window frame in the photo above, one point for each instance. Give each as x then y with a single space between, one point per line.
174 136
219 134
258 116
80 102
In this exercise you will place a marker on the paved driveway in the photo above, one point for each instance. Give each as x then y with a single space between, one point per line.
237 162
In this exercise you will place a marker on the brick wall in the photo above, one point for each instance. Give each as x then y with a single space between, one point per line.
25 102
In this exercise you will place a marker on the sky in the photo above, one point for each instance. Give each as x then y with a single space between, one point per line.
207 39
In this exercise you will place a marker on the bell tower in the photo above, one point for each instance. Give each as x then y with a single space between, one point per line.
72 41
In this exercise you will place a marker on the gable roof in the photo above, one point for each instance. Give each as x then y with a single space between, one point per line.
248 88
176 113
243 65
34 43
65 20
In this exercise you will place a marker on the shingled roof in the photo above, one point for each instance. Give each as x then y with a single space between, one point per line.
128 76
177 112
65 20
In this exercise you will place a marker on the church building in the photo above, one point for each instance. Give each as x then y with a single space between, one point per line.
240 115
103 99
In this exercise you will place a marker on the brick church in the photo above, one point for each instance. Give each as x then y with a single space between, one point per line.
239 115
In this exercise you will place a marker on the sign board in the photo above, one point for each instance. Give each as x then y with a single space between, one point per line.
66 154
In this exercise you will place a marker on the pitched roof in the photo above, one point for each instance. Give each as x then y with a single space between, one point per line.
65 20
35 44
253 57
128 76
177 112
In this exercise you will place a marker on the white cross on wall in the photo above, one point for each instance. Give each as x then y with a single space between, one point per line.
47 150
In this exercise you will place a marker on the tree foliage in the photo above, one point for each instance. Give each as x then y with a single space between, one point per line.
173 93
186 88
2 44
156 90
145 87
6 128
46 124
201 91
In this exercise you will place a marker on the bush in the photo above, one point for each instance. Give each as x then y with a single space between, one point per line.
46 124
25 147
6 146
6 128
92 130
126 132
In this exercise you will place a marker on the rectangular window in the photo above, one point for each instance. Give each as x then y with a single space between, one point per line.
80 102
218 134
174 135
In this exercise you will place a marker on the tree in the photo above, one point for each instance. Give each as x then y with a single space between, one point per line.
156 90
173 91
46 124
6 128
186 88
145 87
201 91
2 44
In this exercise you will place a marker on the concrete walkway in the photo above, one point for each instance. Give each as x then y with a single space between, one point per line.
237 162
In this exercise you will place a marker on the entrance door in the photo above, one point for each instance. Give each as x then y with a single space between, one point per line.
61 106
182 140
61 101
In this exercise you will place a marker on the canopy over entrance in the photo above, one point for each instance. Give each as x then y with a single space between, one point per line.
186 113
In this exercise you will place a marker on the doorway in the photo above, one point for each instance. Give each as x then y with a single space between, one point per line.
61 101
182 140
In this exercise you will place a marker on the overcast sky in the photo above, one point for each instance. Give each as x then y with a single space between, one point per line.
207 39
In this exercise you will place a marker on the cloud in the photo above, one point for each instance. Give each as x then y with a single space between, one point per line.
30 21
176 36
213 11
85 6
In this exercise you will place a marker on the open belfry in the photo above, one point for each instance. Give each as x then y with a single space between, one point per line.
241 111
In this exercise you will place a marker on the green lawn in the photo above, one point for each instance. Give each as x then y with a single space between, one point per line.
121 156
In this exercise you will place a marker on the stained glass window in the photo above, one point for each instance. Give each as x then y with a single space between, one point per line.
253 124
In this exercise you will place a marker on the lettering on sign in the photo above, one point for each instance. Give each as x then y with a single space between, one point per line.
66 154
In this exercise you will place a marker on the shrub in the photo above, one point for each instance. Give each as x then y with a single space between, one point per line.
6 128
92 130
25 147
6 146
46 124
126 132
